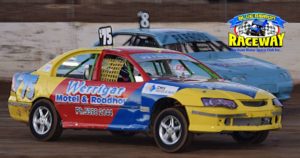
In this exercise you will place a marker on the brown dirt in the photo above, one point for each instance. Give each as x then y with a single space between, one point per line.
176 11
16 141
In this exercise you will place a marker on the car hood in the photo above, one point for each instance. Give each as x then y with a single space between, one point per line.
230 64
220 85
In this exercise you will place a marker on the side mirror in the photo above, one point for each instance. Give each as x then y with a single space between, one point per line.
87 70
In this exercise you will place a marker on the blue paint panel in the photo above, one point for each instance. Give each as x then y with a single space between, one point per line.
129 117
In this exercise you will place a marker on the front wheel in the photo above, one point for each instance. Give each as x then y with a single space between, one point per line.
171 130
250 137
44 121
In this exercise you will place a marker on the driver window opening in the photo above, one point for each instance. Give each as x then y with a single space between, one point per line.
118 69
145 41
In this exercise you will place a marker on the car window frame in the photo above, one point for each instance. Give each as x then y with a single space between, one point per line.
211 72
56 65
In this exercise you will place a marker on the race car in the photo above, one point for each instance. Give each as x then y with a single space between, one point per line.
127 90
230 65
256 28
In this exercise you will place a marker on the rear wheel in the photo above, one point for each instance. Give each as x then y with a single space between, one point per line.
250 137
171 130
44 121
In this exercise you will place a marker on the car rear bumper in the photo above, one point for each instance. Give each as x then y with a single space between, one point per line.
18 110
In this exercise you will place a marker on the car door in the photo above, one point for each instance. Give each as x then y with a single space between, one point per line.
72 95
124 82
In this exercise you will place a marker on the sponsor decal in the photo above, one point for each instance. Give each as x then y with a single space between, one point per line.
159 89
159 56
29 81
104 91
144 109
79 92
25 105
93 111
259 32
67 98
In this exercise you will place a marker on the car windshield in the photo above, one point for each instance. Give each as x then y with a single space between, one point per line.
205 46
158 65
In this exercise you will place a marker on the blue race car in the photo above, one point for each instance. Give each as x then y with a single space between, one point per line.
215 54
256 28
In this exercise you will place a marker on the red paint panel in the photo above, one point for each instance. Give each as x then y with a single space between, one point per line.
77 114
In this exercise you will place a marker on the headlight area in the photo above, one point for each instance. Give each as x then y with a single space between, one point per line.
276 102
219 102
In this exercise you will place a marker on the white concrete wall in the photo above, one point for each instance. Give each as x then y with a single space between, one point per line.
27 46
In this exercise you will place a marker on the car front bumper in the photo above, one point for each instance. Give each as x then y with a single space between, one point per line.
208 120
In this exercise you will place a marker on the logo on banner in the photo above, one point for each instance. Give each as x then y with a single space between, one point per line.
258 32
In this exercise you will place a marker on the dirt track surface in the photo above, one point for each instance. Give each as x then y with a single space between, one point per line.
176 11
16 140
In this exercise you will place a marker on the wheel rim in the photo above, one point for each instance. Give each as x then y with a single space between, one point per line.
42 120
170 130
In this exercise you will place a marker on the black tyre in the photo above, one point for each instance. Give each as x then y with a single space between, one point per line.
44 121
250 137
171 130
123 133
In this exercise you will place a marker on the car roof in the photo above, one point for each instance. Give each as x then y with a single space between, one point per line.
134 50
170 36
126 50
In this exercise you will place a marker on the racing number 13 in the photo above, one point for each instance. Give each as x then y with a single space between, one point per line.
105 36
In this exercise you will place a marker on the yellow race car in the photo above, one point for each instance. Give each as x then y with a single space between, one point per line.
127 90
